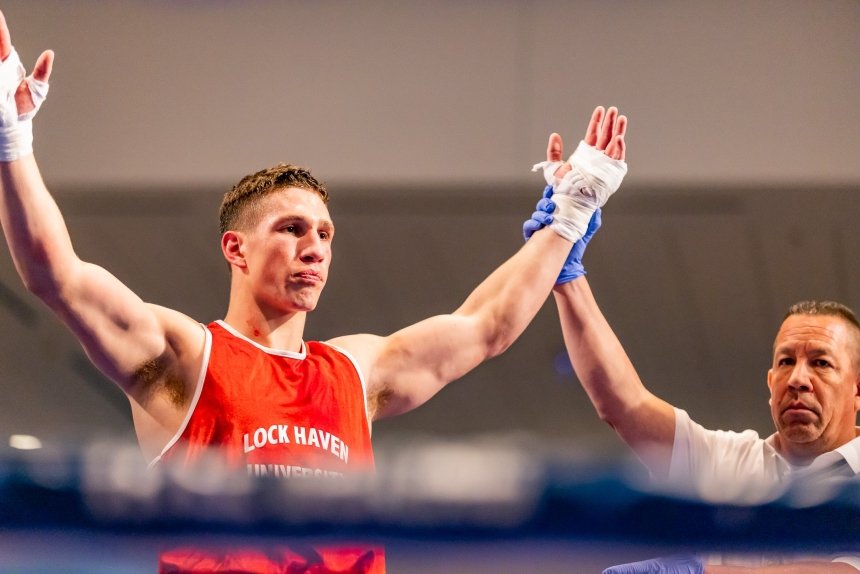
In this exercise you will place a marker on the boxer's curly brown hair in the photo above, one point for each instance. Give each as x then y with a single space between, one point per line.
240 206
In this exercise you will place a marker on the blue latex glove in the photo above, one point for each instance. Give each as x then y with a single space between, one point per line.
542 217
668 565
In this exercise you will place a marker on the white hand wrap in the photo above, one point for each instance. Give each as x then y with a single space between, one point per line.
594 176
16 131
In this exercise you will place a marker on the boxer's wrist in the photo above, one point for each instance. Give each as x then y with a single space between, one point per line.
571 216
16 140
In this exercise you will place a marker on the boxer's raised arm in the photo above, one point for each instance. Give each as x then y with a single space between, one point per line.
132 342
408 367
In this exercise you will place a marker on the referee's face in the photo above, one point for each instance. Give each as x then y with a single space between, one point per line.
814 385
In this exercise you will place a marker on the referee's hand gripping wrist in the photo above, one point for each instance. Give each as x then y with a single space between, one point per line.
543 216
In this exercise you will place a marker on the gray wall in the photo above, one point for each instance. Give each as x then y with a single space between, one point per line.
179 92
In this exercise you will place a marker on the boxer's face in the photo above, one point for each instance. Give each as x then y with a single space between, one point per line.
289 251
815 384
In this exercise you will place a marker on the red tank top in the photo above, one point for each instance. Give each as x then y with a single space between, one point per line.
281 414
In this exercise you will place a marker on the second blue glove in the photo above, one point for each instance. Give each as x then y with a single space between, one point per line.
668 565
542 217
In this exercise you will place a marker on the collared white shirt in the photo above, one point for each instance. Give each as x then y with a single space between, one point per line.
741 468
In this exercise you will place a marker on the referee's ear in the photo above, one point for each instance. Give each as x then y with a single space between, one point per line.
770 388
857 393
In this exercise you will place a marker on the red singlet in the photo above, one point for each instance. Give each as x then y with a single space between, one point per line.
280 414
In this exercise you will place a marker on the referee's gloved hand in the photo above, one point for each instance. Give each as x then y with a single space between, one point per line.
542 217
668 565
